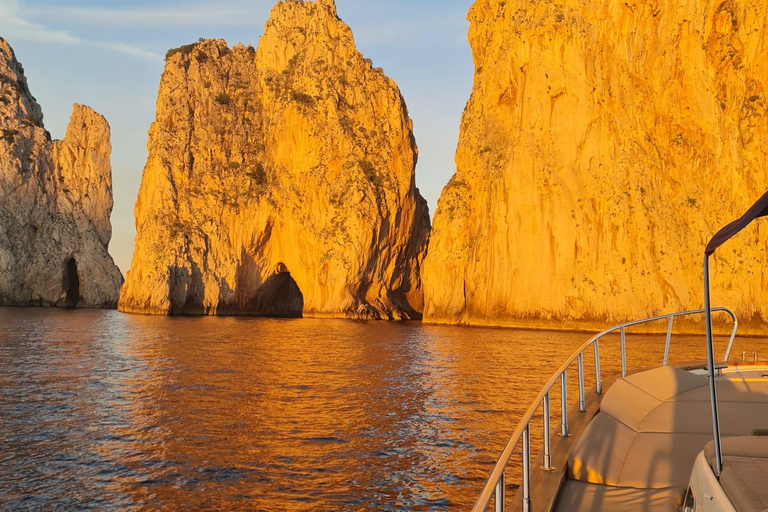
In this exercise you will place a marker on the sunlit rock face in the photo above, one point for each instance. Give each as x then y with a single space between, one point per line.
280 181
56 203
604 142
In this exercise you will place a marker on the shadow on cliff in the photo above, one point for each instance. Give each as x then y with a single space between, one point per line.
186 291
402 299
278 296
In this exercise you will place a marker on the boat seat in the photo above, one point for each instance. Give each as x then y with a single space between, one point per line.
740 390
736 418
652 425
633 398
585 497
745 471
611 453
666 382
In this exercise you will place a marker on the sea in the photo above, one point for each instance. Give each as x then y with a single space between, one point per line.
105 411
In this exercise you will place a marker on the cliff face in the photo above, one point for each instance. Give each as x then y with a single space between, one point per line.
603 144
279 180
56 203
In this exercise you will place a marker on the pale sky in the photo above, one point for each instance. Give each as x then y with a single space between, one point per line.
108 54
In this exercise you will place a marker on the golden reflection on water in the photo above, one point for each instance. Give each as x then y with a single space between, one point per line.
101 410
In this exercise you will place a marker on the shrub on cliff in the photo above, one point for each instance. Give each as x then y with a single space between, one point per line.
223 99
304 99
184 50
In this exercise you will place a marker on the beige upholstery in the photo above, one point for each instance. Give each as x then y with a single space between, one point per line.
745 471
696 418
611 453
731 390
738 420
652 425
745 446
601 451
680 417
628 403
584 497
658 460
666 382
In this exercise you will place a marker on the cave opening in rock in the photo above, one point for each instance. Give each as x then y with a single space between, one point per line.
279 296
72 283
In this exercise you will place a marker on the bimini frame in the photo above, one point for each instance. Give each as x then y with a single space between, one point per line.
759 209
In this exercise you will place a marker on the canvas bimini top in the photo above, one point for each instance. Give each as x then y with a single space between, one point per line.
759 209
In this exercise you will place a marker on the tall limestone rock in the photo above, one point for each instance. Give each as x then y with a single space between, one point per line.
56 203
279 181
604 142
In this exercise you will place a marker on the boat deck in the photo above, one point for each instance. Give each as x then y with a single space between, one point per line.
638 452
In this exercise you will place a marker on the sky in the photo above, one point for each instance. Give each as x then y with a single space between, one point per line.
108 54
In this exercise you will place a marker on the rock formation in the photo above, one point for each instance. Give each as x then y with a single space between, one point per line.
56 203
604 142
279 181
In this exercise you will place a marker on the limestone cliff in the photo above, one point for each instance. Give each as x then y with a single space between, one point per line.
604 142
56 202
279 181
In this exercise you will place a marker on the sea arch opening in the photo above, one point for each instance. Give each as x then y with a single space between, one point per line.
71 283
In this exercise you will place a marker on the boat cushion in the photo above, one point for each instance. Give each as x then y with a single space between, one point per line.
666 382
659 460
610 453
738 390
736 418
652 425
614 451
745 471
599 455
628 403
585 497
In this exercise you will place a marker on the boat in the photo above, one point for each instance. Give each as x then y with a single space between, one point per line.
685 437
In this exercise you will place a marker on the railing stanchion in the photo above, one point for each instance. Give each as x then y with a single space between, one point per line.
669 341
564 404
623 352
500 499
547 440
527 468
582 400
599 385
730 340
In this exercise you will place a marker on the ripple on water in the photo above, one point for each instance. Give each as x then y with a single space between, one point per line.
103 411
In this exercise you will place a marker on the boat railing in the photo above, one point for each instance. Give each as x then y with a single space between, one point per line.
495 486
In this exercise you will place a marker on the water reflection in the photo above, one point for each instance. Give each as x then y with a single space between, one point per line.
101 410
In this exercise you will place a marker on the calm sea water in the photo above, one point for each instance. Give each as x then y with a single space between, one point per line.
104 411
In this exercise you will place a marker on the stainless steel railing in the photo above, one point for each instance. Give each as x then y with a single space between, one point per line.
495 486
